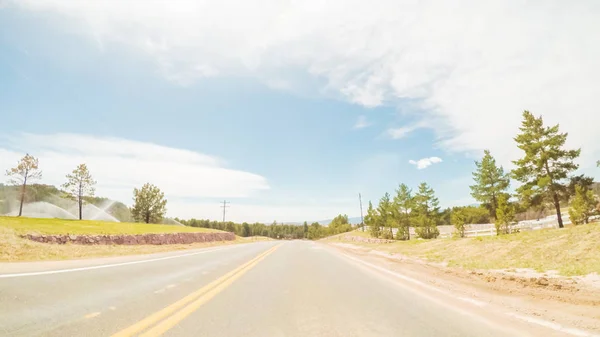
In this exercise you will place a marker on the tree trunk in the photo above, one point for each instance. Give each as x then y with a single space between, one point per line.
557 206
554 196
22 196
80 208
147 217
80 200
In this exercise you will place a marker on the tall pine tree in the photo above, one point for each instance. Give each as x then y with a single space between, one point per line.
371 220
505 215
490 182
403 204
386 219
582 206
427 209
546 164
80 184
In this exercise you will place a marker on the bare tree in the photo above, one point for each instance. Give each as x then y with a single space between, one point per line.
80 184
26 170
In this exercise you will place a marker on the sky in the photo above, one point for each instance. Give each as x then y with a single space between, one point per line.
290 109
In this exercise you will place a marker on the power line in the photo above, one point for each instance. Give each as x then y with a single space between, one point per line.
224 206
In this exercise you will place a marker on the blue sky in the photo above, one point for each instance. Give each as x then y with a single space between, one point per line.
280 137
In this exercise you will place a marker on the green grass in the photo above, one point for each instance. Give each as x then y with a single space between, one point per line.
22 225
571 251
15 248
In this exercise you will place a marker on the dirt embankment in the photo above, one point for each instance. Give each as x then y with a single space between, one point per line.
142 239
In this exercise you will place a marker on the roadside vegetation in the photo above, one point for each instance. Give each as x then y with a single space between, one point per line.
314 231
571 252
149 202
546 186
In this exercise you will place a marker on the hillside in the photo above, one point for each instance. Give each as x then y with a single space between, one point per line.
47 201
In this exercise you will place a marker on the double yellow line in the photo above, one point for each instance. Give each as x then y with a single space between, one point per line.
165 319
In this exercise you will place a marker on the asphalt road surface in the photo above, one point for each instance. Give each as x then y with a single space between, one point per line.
295 288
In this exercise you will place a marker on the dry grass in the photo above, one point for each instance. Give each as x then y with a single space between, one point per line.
22 225
571 251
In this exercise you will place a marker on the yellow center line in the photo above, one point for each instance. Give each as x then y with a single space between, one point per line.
197 298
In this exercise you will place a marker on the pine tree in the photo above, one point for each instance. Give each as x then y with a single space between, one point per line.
26 170
490 181
582 206
403 203
458 219
80 184
371 220
150 204
386 219
545 165
505 215
427 209
305 229
581 180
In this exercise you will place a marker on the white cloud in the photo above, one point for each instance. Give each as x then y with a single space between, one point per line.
401 132
119 165
362 122
473 71
188 178
425 162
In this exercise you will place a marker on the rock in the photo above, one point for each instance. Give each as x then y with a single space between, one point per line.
542 281
490 278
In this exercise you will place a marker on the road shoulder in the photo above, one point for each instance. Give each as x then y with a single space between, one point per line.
575 305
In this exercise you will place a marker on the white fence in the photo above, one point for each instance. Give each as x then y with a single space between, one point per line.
526 225
489 229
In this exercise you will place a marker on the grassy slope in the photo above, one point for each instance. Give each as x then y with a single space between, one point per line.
571 251
23 225
15 248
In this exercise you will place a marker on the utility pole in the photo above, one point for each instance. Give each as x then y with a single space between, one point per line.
362 220
224 207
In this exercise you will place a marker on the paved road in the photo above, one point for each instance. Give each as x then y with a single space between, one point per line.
261 289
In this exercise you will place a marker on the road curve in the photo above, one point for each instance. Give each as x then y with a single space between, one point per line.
293 288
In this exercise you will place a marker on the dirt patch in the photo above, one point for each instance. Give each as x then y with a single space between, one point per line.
572 301
144 239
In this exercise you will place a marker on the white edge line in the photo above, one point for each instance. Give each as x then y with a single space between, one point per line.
544 323
417 282
60 271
